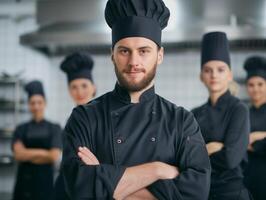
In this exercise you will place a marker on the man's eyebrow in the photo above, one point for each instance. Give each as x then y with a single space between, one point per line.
123 47
209 67
145 47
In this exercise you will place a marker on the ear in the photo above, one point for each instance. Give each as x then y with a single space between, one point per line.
230 75
112 54
201 76
160 55
94 91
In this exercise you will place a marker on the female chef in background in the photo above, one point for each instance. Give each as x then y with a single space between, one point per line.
255 177
37 146
78 68
224 121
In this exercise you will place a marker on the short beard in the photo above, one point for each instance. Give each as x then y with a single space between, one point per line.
139 86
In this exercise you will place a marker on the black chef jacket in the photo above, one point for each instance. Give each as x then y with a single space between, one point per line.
35 182
123 134
258 123
226 122
256 170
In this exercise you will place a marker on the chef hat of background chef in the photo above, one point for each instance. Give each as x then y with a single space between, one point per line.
136 18
215 46
78 65
255 66
34 88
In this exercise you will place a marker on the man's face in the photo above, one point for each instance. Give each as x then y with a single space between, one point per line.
135 60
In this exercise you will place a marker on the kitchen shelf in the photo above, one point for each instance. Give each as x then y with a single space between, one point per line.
10 109
6 133
4 81
6 160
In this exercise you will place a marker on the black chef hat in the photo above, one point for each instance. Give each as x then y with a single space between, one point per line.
136 18
34 88
255 66
78 65
215 46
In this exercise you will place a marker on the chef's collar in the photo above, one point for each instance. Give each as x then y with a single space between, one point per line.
39 122
123 94
262 107
222 101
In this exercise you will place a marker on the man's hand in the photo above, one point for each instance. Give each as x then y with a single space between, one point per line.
140 176
166 171
133 183
87 156
213 147
143 194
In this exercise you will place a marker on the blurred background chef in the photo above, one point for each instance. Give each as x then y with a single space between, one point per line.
255 176
37 146
78 68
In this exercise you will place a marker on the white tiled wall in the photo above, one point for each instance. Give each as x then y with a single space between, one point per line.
177 78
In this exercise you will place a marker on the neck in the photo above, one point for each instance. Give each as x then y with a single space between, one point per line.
135 96
214 96
38 118
259 103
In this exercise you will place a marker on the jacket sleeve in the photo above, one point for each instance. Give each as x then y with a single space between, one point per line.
193 163
85 181
260 147
56 136
18 135
235 142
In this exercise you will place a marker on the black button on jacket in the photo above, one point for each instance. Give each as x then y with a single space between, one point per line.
123 134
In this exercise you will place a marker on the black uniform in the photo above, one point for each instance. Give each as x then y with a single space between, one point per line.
35 182
78 65
256 170
226 122
122 134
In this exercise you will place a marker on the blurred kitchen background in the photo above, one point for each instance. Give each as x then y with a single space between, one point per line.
35 35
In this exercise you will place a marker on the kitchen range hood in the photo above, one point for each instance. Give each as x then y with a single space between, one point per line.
67 25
